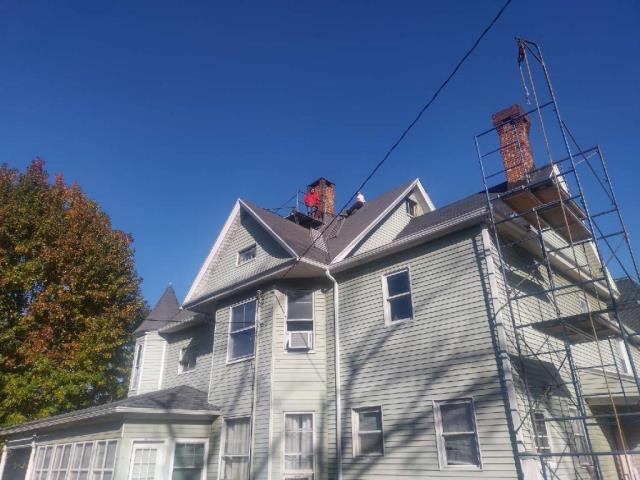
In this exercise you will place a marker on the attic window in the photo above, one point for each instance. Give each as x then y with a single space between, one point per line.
246 255
412 207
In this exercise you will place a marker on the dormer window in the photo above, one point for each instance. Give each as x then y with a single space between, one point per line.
411 207
246 255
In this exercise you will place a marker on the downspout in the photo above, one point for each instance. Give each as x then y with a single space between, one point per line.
255 380
3 460
336 349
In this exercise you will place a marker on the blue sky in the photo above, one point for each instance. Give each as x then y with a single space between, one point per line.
165 113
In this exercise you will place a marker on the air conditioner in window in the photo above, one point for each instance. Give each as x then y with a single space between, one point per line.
300 341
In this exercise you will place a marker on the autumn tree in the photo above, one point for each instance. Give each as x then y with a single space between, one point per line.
69 298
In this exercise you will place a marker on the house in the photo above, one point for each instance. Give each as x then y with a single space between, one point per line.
371 345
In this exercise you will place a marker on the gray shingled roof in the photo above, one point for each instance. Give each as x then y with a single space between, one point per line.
162 314
182 398
297 237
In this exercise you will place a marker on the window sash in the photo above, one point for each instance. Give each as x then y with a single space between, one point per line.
191 460
473 459
391 299
246 255
541 432
237 449
360 433
303 451
242 329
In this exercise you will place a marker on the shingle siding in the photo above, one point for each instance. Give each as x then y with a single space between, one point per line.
224 271
200 336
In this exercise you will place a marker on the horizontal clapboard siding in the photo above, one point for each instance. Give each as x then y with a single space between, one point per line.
445 352
201 338
152 363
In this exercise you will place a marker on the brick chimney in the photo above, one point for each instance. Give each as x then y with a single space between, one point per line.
327 192
513 129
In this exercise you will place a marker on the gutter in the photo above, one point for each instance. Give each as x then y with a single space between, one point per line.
336 349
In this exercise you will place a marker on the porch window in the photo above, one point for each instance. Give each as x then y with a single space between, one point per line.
457 434
298 445
144 461
188 461
81 461
367 432
104 460
237 441
300 320
242 331
398 305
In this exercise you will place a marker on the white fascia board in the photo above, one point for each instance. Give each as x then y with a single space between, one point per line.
257 218
347 250
426 196
213 252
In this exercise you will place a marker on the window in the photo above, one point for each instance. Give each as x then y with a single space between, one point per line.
367 432
300 320
145 459
541 434
298 445
242 330
624 360
583 306
235 457
578 443
397 296
457 436
137 364
188 461
188 358
412 207
75 461
246 255
81 461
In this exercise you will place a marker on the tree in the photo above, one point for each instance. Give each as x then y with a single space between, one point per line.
69 298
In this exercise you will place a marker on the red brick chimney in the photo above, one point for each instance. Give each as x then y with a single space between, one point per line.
327 192
513 129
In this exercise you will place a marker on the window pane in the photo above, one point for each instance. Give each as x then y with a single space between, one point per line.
299 326
300 305
86 456
298 462
189 455
456 417
236 469
461 450
243 316
371 443
401 308
237 437
242 343
370 420
110 459
398 283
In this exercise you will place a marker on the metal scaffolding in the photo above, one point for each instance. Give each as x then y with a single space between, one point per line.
561 308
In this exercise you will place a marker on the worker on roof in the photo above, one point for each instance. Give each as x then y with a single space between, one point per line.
312 200
357 205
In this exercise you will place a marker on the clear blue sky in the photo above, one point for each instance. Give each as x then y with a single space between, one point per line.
165 113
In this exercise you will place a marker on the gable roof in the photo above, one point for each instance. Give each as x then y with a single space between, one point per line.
182 399
162 313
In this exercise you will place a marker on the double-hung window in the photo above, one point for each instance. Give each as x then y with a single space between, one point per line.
398 305
367 432
300 320
298 446
457 434
188 358
235 456
188 461
578 443
246 255
242 331
540 431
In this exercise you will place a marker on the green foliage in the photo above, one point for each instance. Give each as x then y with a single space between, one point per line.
69 298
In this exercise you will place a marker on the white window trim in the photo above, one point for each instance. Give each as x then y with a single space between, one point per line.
139 350
244 250
223 435
286 319
160 461
386 298
172 457
410 202
534 430
355 430
246 357
181 370
315 447
624 356
442 454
